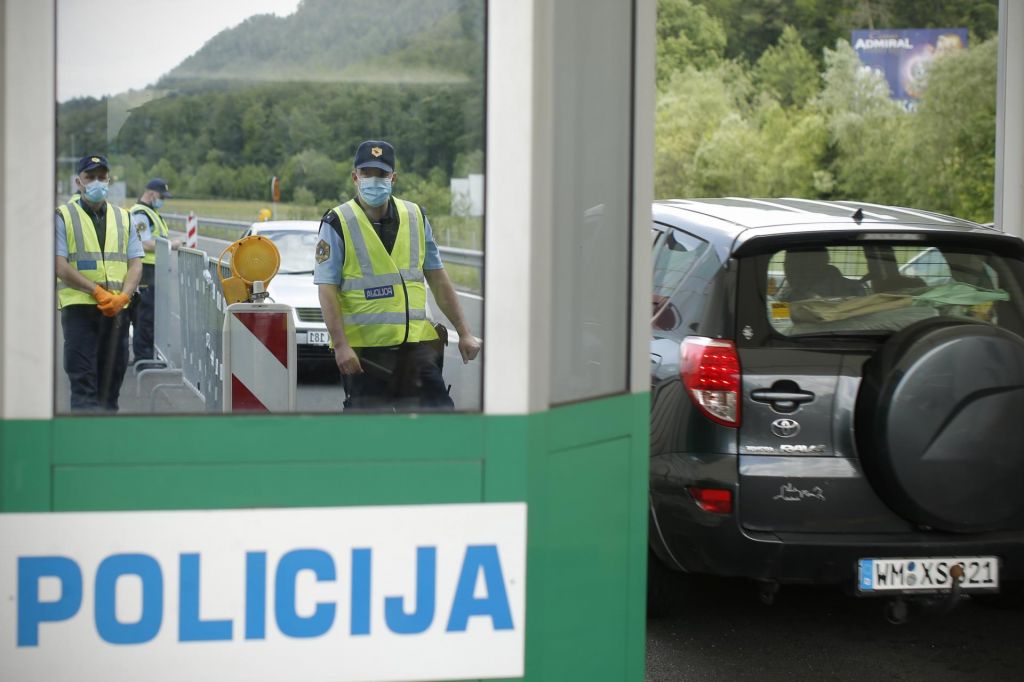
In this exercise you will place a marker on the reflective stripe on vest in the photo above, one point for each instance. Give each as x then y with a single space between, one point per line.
159 229
109 263
382 296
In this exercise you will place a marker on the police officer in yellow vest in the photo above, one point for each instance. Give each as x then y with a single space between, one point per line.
99 263
148 224
374 255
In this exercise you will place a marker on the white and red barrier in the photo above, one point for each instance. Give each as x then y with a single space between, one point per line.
259 358
192 231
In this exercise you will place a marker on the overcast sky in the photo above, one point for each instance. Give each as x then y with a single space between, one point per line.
131 43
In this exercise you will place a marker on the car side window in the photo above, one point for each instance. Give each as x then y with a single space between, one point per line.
675 255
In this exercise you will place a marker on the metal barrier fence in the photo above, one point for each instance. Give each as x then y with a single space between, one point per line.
202 323
166 337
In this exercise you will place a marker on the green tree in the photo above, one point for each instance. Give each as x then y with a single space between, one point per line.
468 162
866 129
164 169
687 36
952 141
316 172
794 147
432 192
688 112
302 195
787 71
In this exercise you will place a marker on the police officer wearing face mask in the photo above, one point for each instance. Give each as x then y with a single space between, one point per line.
148 224
99 263
374 255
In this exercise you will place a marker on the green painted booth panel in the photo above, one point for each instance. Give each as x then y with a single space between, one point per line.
301 484
278 438
581 468
578 527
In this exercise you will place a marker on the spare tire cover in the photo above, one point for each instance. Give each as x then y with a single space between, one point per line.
940 425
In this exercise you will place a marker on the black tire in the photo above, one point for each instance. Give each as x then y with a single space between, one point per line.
661 587
938 425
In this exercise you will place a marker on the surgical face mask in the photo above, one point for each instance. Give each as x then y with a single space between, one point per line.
96 191
375 191
157 203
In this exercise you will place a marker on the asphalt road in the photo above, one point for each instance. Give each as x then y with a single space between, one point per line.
719 630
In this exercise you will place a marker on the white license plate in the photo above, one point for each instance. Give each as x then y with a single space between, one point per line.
318 338
933 573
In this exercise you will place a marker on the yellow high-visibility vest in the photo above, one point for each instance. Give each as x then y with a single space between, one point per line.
106 266
383 297
159 229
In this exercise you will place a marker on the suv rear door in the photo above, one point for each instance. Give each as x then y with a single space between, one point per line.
802 354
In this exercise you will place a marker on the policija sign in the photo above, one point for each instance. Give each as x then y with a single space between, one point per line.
346 594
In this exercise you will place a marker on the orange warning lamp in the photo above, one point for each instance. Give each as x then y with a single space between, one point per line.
254 262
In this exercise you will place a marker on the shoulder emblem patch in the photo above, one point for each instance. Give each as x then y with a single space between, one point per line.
323 251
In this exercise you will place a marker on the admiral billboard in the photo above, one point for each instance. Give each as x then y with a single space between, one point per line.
902 55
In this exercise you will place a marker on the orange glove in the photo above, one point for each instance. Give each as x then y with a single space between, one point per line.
114 305
101 295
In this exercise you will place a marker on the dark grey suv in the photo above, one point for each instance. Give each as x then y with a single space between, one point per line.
837 398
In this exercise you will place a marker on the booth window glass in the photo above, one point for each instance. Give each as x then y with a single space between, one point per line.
592 148
244 119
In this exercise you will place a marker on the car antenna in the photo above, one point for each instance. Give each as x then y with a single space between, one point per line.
858 216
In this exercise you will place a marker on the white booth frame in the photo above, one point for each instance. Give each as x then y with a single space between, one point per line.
517 310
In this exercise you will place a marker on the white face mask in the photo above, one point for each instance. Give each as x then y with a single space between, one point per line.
158 202
96 191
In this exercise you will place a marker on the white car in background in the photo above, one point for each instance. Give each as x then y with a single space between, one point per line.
293 286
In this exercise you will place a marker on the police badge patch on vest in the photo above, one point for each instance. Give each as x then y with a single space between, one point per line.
379 292
323 251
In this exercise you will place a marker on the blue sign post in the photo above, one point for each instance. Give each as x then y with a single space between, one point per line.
902 55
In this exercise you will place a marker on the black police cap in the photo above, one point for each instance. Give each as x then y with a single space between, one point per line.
159 185
376 154
92 162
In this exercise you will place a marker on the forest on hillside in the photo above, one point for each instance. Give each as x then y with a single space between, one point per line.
754 98
801 117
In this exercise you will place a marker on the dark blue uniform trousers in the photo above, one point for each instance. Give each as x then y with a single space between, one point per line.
400 378
142 312
95 356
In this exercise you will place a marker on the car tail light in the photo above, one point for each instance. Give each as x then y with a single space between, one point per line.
714 500
710 370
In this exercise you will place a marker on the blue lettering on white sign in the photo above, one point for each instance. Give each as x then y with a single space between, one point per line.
32 611
255 595
478 561
288 620
191 628
379 292
480 558
419 620
110 570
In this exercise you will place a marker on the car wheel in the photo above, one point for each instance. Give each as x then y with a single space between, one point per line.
661 581
938 426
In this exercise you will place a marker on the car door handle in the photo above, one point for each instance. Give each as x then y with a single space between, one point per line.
767 395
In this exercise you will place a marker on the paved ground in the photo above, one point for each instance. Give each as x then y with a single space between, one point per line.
720 631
